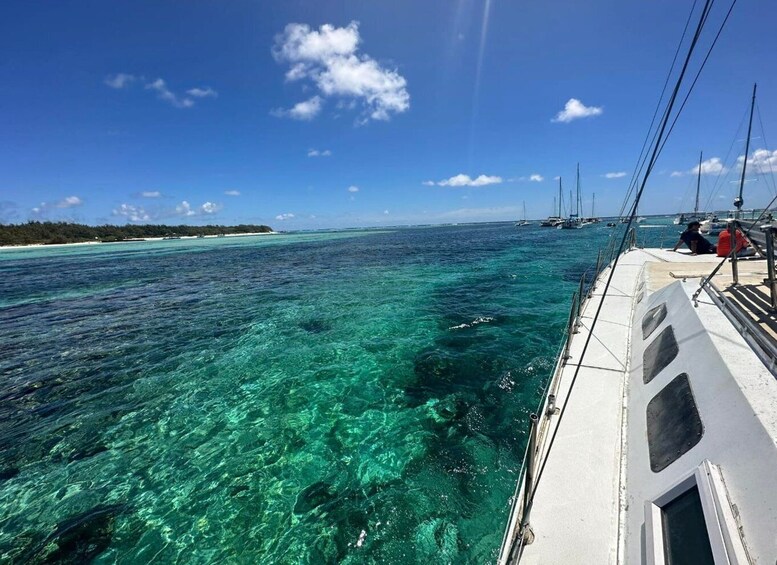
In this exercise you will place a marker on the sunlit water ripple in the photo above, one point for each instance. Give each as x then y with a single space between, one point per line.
353 397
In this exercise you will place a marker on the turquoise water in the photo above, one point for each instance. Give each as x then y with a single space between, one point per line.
351 397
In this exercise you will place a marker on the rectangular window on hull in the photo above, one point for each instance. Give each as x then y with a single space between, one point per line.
692 522
685 533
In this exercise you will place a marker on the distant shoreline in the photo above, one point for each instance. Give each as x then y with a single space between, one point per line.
133 240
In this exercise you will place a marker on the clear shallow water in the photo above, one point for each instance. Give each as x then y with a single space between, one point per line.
349 397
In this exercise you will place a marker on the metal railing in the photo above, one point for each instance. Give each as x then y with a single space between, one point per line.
761 344
771 281
769 231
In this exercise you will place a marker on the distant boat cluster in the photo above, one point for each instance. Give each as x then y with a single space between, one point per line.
575 220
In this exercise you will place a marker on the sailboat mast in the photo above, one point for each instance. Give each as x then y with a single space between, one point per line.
559 198
698 184
577 181
738 200
593 205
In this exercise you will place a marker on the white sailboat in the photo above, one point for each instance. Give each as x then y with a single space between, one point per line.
574 221
523 222
554 221
696 216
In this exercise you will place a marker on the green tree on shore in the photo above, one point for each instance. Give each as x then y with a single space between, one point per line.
63 232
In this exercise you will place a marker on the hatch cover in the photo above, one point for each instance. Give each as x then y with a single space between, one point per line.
659 354
673 423
652 319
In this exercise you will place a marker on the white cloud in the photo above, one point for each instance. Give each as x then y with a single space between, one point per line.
317 153
465 180
300 45
132 213
284 217
119 80
676 174
123 80
618 175
151 194
328 58
185 209
232 192
762 161
206 92
306 110
353 188
536 178
69 202
210 208
428 183
167 95
711 166
574 109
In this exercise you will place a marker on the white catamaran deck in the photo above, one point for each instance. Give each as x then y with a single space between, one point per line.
588 506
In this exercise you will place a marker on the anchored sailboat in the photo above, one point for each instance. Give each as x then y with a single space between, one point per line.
696 216
523 222
554 221
574 221
593 219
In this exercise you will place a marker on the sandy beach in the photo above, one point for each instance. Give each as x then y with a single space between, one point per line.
139 240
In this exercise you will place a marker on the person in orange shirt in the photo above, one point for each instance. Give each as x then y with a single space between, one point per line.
724 244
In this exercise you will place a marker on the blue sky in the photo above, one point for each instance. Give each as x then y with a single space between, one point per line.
316 114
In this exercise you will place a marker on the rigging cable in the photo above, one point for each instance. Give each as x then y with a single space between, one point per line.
698 74
642 151
693 83
771 156
715 187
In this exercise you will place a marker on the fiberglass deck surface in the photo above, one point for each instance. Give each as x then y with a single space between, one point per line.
577 498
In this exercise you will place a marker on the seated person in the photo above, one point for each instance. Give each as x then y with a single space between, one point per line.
694 240
724 244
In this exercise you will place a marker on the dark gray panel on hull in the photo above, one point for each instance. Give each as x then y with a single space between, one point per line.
673 423
659 354
652 319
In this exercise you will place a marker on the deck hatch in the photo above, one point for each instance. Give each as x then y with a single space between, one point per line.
659 354
673 423
652 319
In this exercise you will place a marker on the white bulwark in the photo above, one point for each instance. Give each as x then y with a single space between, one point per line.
665 449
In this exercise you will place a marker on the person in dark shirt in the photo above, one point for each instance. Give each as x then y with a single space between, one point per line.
694 240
